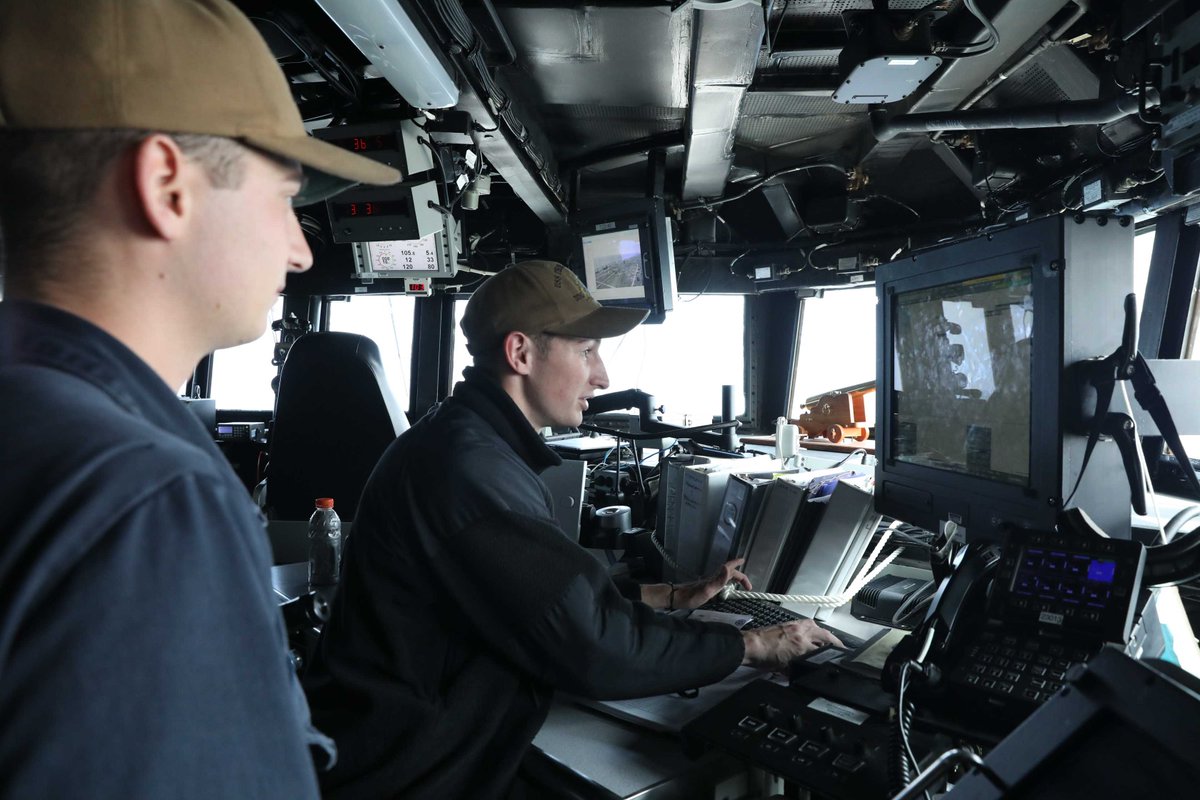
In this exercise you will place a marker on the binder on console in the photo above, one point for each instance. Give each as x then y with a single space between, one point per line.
670 486
701 491
808 519
744 494
837 546
767 549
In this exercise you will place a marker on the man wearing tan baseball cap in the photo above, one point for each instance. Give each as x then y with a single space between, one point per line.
150 156
463 606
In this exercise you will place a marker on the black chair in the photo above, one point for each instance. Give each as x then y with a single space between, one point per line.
334 416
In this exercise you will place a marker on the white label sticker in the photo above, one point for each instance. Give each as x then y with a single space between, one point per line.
1050 618
838 710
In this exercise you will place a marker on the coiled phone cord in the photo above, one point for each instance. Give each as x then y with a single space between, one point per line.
868 573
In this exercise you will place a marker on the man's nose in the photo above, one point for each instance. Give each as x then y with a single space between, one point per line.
599 374
300 257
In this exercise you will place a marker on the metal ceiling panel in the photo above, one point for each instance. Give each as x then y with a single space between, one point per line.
780 104
1017 21
805 63
777 133
1057 74
614 56
579 129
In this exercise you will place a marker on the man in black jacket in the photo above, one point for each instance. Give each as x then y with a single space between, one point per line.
462 606
150 153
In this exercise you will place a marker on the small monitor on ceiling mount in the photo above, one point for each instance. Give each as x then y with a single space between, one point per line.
625 256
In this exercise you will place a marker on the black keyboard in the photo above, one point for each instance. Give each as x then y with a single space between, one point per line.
764 613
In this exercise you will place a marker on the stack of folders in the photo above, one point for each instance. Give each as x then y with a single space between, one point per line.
690 499
778 539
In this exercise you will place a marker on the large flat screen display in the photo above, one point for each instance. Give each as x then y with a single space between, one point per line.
963 363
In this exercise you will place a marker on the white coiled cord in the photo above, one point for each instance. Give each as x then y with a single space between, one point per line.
867 574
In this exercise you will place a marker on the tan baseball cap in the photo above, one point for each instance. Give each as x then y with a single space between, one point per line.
177 66
540 297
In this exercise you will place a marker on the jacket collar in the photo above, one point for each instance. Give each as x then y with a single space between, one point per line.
480 392
39 335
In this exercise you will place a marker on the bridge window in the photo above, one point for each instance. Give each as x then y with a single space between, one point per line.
388 321
683 362
837 344
241 376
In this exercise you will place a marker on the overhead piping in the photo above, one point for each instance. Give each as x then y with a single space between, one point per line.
1056 115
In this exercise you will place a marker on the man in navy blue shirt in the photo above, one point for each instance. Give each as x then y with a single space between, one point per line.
150 156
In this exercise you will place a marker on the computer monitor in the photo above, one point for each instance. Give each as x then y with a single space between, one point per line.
976 422
625 256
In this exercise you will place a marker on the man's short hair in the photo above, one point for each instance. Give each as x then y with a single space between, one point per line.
493 359
48 179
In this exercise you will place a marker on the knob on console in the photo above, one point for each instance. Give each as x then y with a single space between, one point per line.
615 519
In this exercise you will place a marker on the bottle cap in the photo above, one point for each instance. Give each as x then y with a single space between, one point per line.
324 502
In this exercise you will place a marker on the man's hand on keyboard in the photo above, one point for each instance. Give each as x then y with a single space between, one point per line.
696 594
774 647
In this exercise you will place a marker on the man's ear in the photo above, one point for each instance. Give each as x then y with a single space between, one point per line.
519 352
163 180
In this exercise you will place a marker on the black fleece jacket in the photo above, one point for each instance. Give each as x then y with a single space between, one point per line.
463 607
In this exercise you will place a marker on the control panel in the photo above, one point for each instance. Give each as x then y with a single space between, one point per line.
1085 586
825 746
239 432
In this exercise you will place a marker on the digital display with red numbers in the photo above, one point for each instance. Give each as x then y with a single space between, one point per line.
370 208
368 143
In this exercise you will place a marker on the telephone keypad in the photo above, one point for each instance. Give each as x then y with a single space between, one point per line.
1015 669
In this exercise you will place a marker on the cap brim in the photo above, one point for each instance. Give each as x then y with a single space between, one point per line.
603 323
328 169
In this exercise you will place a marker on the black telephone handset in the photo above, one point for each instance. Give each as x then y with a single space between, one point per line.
960 602
958 607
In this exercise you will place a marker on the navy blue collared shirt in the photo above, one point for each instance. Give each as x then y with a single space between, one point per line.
142 654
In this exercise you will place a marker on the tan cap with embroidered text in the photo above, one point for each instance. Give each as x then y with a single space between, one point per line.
540 297
176 66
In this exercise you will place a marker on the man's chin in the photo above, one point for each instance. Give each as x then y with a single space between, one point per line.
235 339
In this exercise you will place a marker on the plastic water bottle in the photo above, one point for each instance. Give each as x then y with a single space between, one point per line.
324 544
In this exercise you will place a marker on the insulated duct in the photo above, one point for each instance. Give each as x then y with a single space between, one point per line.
726 37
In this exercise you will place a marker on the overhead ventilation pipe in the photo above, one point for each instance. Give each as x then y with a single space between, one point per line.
1055 115
726 38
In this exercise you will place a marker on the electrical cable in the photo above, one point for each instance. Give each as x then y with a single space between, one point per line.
977 48
891 199
1062 195
1181 518
899 769
454 17
852 454
710 204
772 39
910 608
670 562
808 256
344 82
904 718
